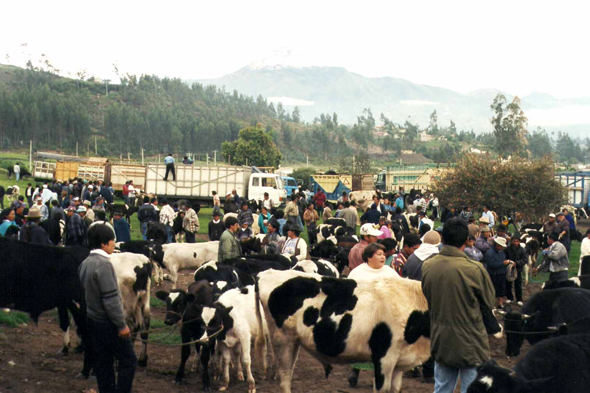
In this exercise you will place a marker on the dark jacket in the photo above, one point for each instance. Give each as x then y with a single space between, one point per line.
106 193
147 213
518 255
229 247
33 233
371 216
215 230
413 268
122 232
456 289
495 262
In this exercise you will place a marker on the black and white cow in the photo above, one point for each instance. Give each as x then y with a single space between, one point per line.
148 248
344 321
36 278
544 312
223 276
532 245
133 273
559 364
254 264
237 310
195 308
325 249
574 282
320 266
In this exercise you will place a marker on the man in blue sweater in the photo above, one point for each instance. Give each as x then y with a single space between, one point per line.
496 262
109 333
169 161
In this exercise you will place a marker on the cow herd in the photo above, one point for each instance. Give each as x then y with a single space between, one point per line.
263 308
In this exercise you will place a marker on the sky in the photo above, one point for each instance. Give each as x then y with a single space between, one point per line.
517 46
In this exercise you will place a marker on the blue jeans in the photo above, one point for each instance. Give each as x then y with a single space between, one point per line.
143 227
170 234
445 378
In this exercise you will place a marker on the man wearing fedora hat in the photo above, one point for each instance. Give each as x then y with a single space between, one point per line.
32 232
496 263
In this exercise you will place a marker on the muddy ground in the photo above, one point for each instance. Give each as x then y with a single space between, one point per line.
29 362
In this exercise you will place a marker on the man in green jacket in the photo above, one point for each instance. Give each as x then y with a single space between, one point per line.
229 247
455 287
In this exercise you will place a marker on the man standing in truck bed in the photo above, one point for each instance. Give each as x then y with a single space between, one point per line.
169 161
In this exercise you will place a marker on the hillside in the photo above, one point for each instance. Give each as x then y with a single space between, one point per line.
319 90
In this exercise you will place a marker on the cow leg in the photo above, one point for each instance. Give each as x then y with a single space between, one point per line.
205 357
143 356
396 381
525 271
384 373
225 360
173 275
64 324
287 357
185 353
247 363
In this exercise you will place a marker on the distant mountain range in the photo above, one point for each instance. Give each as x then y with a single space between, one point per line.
318 90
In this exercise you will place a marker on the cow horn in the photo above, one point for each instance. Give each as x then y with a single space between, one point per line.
525 316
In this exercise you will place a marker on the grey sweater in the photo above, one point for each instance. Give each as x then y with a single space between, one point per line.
103 300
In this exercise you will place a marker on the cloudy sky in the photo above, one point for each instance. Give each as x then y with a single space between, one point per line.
516 46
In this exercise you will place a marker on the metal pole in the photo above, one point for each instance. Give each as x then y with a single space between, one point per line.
207 159
31 156
141 156
76 149
95 146
215 157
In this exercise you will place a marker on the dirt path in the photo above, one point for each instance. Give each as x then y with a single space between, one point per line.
29 362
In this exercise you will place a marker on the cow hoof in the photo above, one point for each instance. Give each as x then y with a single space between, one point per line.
79 349
142 362
240 377
353 378
223 388
64 351
178 382
206 388
253 390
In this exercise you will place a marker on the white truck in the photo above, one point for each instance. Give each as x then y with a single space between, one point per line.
198 182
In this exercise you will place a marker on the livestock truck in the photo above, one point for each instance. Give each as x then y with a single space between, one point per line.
198 183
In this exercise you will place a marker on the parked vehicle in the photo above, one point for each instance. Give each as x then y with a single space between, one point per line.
198 182
290 185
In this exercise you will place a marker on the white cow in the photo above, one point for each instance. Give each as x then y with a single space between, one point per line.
178 256
237 308
363 199
345 321
133 277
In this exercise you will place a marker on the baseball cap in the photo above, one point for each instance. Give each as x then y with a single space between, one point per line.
81 209
369 230
552 215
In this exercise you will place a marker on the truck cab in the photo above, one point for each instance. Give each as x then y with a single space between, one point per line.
290 185
259 183
381 183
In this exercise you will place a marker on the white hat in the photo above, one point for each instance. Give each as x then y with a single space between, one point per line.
501 241
552 215
44 185
81 209
369 230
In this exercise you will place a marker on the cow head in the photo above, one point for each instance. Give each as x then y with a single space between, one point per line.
142 276
176 303
492 378
514 324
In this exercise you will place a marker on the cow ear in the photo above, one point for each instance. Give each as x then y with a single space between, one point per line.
162 295
190 297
